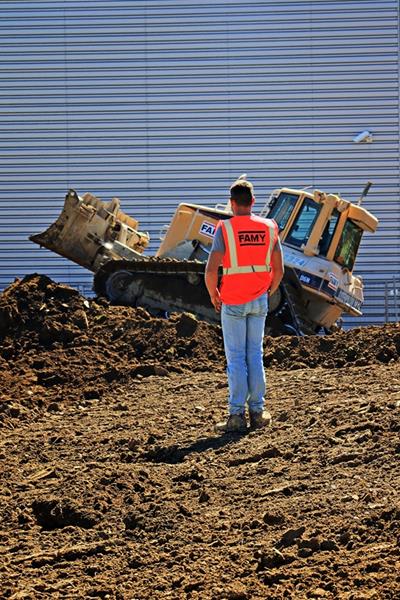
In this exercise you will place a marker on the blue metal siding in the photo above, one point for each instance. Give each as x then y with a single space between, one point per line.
159 102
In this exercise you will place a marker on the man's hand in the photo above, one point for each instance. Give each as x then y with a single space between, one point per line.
211 278
216 300
277 268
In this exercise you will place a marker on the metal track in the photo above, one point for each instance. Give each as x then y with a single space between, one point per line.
159 285
170 285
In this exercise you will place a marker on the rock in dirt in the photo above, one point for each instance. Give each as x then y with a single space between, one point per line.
186 325
55 513
271 518
291 535
272 559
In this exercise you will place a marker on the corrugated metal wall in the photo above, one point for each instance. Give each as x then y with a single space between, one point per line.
163 101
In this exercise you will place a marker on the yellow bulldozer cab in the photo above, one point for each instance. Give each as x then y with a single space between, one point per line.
321 224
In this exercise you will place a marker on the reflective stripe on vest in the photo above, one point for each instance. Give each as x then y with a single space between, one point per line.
235 269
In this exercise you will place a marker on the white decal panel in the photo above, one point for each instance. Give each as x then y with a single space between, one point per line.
207 229
305 278
348 299
294 259
333 281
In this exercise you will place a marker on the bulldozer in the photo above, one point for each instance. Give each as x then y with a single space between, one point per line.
320 235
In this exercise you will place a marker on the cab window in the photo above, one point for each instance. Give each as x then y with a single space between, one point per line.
328 232
347 247
282 208
304 223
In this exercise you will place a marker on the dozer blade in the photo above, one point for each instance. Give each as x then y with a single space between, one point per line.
67 235
91 232
158 285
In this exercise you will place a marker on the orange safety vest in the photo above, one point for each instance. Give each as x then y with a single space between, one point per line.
246 266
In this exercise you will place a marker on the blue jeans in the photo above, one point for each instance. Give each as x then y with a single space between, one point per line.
243 331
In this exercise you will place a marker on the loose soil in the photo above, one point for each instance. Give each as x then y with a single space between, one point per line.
113 484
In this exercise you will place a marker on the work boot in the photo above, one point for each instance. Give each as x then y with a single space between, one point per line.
233 424
260 419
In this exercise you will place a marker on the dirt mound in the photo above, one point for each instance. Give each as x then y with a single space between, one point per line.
36 313
55 340
52 338
356 347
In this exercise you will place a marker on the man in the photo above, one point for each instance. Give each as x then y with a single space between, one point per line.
250 253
